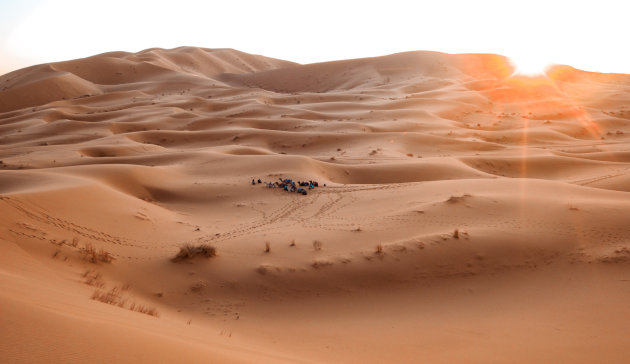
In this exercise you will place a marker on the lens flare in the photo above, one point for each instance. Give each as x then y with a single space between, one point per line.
529 66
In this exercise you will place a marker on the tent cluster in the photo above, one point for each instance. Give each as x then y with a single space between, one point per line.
290 185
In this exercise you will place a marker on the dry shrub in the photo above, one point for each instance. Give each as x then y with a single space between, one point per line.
456 234
111 297
189 251
151 311
267 247
292 243
317 245
93 278
93 256
379 250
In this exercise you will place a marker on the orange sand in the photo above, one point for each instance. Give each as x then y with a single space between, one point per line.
136 154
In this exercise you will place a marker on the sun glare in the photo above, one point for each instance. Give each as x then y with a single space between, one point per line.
529 66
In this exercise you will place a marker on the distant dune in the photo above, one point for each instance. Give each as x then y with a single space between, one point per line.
464 214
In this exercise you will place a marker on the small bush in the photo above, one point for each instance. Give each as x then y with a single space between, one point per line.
267 247
93 278
317 245
456 234
379 250
151 311
111 297
189 251
114 297
93 256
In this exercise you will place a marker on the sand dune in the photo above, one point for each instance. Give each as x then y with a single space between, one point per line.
468 214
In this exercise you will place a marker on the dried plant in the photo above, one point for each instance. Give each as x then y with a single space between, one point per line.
317 245
93 256
190 251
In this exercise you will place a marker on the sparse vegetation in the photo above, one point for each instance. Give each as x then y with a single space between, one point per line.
317 245
190 251
113 297
151 311
267 247
95 256
456 233
379 250
93 278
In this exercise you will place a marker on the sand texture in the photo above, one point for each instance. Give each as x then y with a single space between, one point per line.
469 216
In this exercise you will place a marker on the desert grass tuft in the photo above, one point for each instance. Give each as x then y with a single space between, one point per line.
190 251
317 245
111 297
151 311
114 297
95 256
93 278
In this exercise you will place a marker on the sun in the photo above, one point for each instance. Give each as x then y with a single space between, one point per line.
529 66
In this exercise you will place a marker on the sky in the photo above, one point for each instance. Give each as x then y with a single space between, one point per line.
589 35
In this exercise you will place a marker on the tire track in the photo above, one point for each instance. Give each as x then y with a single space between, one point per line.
37 214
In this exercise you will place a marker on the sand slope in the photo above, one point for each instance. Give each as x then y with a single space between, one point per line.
468 215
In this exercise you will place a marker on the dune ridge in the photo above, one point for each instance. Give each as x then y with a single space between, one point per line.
463 214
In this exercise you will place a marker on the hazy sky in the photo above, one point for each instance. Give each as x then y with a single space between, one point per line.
590 35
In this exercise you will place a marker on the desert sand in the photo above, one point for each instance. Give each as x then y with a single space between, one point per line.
469 215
